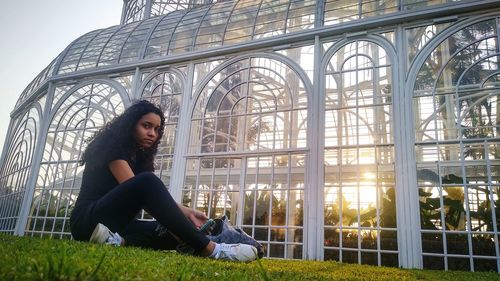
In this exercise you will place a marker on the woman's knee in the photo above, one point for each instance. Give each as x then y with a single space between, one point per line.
145 176
149 179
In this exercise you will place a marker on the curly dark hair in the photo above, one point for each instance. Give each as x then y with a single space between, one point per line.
117 137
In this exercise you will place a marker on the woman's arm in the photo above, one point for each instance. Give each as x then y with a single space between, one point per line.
196 217
121 170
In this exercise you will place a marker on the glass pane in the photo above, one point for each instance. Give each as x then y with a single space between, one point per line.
418 37
464 39
412 4
459 264
387 259
432 262
485 265
301 15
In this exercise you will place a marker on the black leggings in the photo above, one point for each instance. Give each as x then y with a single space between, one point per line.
119 207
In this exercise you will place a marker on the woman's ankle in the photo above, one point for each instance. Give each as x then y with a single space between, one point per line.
208 250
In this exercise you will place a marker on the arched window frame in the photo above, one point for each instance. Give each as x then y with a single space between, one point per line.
396 126
413 173
303 150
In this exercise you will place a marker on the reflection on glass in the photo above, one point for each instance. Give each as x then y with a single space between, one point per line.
418 37
455 55
201 70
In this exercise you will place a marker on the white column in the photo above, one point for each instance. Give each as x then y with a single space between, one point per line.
407 199
182 138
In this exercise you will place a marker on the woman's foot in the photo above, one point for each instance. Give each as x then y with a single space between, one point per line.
102 235
234 252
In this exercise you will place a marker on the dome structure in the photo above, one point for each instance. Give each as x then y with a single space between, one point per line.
136 10
364 132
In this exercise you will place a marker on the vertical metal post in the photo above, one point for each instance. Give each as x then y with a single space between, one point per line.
182 137
147 9
313 209
408 217
492 200
124 12
135 92
319 17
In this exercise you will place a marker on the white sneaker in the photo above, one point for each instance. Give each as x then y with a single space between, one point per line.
102 235
235 252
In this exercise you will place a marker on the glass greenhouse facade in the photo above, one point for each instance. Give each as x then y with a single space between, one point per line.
359 131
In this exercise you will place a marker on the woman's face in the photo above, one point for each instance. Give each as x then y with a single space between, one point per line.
146 130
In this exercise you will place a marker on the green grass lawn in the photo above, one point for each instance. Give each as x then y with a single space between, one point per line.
25 258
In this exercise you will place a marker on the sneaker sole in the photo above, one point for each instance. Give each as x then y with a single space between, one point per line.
94 238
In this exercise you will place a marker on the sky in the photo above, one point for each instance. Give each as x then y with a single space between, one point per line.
34 32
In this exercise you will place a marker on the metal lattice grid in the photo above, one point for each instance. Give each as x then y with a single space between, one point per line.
246 152
134 11
218 24
165 90
81 114
16 168
456 116
359 200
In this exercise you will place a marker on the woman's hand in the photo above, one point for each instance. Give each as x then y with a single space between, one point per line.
196 217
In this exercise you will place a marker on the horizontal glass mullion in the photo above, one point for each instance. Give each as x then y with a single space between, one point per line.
212 44
243 16
214 19
270 19
161 42
164 27
216 31
341 5
279 8
210 39
188 34
238 35
180 49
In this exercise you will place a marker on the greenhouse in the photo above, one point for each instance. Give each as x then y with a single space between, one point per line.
357 131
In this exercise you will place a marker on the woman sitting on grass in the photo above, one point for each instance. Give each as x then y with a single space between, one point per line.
118 183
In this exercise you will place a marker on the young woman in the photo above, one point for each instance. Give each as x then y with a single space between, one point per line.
118 183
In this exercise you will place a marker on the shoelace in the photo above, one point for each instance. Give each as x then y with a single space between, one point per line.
222 255
226 252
